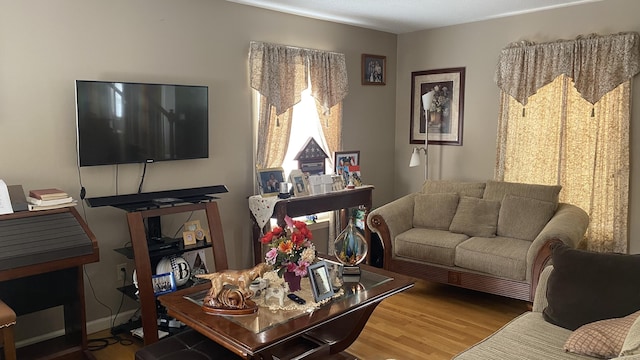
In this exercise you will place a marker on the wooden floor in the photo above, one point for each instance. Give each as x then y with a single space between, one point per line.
430 321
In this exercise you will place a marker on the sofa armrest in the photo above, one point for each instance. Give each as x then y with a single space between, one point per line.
568 224
540 298
390 220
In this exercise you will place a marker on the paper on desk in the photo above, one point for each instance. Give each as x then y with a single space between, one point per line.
5 200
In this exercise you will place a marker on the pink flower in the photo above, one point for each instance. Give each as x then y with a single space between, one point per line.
271 256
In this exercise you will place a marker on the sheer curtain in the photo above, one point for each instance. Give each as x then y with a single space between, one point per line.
564 119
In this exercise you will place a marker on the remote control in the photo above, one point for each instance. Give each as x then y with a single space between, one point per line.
297 299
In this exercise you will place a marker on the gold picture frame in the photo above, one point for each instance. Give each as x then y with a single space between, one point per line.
189 238
300 182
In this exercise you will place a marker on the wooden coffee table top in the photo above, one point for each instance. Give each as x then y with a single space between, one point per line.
249 335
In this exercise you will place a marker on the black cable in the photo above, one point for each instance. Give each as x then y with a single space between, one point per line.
144 171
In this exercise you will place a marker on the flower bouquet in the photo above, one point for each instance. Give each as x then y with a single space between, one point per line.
291 249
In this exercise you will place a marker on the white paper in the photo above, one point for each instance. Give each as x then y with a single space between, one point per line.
5 200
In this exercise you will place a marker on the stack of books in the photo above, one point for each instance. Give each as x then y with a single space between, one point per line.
47 199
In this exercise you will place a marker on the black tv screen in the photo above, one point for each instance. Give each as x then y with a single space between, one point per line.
120 123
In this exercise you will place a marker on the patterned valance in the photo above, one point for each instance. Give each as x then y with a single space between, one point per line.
280 74
597 64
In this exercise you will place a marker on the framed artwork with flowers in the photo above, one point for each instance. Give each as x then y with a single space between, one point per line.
440 121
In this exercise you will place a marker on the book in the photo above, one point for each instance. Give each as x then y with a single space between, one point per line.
48 194
40 202
51 207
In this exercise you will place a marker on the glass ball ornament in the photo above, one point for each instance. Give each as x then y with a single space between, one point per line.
350 246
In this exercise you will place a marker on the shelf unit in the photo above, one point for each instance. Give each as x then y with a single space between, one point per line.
139 252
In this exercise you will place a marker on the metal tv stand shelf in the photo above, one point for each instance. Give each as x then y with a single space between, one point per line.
150 207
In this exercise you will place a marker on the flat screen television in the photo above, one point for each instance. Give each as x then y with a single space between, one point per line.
120 122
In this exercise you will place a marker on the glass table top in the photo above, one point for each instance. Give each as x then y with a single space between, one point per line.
269 316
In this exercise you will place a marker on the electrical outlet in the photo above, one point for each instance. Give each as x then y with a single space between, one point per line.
121 270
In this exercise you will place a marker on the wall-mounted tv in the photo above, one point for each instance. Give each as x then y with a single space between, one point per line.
120 122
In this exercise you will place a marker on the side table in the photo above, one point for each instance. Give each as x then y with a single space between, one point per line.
311 204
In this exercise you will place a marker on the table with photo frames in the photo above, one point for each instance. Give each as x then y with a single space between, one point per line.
264 208
322 333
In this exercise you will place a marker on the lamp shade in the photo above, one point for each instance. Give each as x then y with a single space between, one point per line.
415 158
427 98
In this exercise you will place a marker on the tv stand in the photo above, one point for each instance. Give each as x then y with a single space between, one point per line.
154 199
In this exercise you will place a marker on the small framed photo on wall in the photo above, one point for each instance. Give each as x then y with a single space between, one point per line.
374 69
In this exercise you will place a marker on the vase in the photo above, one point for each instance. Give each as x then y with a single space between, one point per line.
350 246
292 280
436 117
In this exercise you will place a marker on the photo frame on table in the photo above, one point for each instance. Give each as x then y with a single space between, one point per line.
320 281
300 182
163 283
443 119
374 69
269 180
346 161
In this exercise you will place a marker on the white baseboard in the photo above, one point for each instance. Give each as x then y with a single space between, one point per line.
92 327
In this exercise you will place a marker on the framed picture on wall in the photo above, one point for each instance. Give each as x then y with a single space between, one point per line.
441 120
374 69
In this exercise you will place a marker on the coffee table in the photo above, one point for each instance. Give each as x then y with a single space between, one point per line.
322 333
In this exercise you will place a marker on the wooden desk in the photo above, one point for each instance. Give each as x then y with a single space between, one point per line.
306 205
321 334
55 280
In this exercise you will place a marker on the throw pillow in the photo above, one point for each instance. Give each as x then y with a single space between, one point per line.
476 217
523 218
474 189
631 345
603 339
434 211
496 190
587 286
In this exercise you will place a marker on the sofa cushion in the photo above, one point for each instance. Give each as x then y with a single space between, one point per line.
496 190
587 286
473 189
433 246
631 344
434 211
526 337
476 217
499 256
523 218
602 339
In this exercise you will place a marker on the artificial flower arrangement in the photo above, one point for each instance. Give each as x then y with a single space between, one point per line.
291 250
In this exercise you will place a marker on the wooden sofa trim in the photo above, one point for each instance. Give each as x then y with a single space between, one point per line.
458 276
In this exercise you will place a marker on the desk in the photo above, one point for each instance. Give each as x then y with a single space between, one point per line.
320 334
306 205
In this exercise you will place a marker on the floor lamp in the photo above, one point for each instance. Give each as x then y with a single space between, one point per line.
415 155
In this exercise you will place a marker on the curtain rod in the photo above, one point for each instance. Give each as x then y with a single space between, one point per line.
295 47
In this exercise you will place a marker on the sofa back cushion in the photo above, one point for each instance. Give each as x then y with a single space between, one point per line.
434 211
523 218
473 189
476 217
496 190
588 286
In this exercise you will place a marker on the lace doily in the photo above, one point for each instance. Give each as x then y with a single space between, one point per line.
305 293
262 208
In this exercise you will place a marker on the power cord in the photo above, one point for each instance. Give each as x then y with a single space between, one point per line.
101 343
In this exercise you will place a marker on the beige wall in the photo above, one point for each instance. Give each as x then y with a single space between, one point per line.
476 46
46 45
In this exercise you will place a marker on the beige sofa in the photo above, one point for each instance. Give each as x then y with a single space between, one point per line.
530 336
487 236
